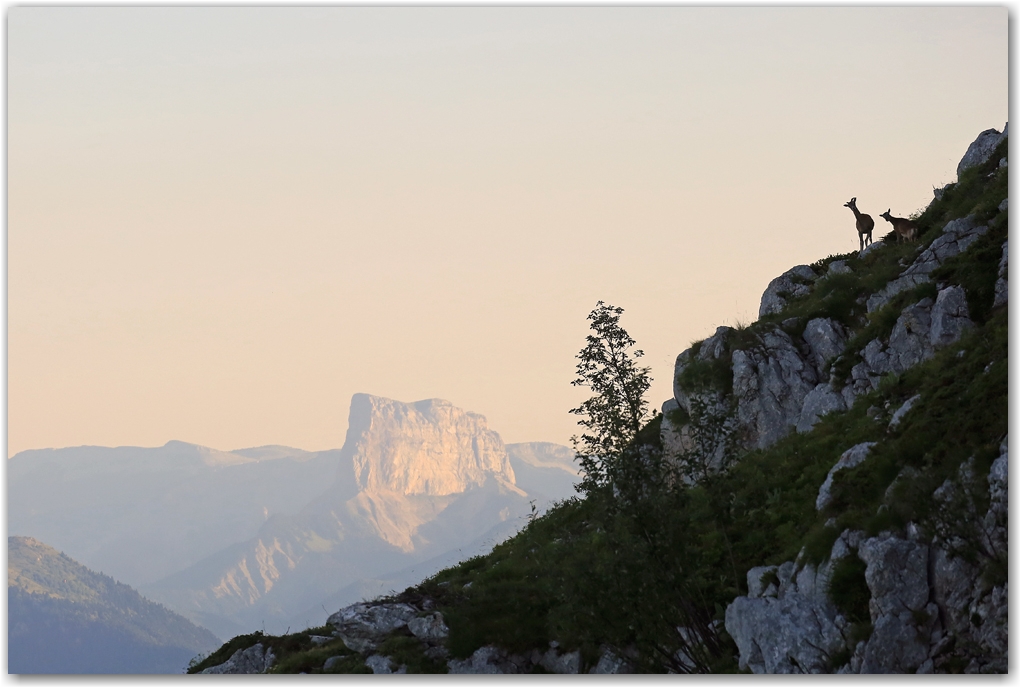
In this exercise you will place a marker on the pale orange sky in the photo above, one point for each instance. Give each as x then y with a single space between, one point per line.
223 222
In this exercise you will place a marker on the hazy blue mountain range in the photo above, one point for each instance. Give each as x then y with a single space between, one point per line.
64 618
140 514
253 538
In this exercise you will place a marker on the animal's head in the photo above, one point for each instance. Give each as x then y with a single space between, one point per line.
886 215
852 204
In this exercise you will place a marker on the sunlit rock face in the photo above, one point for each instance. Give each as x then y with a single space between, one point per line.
426 448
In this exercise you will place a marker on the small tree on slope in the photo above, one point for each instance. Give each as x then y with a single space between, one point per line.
636 590
613 416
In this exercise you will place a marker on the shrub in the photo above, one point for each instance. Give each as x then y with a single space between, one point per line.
848 588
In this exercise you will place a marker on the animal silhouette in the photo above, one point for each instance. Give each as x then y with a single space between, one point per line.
904 228
865 224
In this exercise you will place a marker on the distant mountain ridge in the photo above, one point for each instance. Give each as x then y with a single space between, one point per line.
65 618
414 481
235 539
140 514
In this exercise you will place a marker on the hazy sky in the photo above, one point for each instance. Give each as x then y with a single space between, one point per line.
223 222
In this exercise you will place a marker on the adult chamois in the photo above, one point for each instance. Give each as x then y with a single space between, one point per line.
865 224
904 228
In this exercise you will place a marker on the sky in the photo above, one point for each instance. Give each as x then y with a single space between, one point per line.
223 222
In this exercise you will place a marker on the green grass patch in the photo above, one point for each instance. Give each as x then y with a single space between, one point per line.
408 650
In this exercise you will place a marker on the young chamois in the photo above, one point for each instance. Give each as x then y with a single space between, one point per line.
904 228
864 222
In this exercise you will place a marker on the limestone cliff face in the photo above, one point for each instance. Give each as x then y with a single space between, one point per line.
426 448
415 481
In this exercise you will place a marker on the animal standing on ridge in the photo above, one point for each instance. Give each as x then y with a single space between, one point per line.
904 228
864 222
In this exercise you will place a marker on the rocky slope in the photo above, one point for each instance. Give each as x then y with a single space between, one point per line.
846 500
936 602
64 618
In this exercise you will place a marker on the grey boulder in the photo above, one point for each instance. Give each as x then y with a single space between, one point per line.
921 329
248 661
903 618
897 417
383 665
838 267
431 628
827 339
791 627
821 400
770 383
361 626
950 317
852 457
789 284
981 149
487 660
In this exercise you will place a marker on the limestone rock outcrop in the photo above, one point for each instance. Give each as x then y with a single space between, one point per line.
821 400
782 383
383 665
430 447
927 601
790 284
701 401
778 384
902 618
788 625
827 339
255 659
430 628
486 660
982 148
362 626
770 383
852 457
956 237
921 329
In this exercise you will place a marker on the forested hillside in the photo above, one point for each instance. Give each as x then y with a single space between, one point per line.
64 618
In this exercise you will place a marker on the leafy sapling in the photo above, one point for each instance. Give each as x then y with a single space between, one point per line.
613 415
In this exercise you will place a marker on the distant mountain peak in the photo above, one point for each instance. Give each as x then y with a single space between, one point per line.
429 447
209 456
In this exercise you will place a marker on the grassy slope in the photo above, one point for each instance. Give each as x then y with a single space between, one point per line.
589 575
